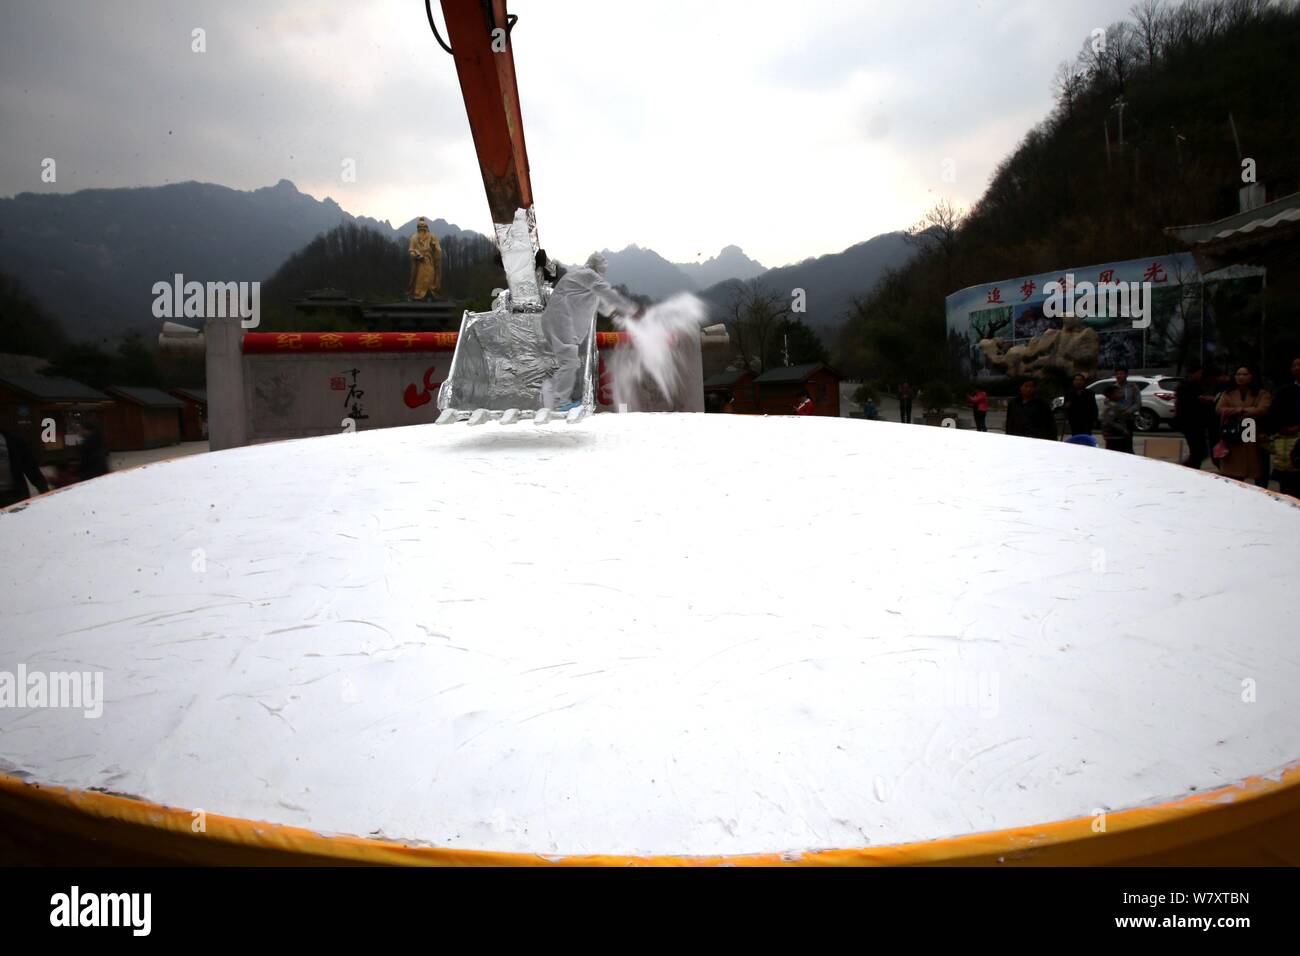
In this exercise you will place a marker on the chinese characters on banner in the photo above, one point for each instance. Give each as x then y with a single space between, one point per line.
354 396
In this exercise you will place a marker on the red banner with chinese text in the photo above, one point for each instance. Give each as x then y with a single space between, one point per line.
264 343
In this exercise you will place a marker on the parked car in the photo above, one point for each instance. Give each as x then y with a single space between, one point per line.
1157 399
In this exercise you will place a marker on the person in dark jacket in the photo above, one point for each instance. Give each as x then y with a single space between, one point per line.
1190 415
1116 422
94 452
1216 382
1286 403
905 403
1028 415
1080 408
18 467
1285 425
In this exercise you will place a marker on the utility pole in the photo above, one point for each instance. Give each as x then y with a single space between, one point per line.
1119 104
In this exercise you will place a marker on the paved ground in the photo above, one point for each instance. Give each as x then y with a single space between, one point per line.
122 460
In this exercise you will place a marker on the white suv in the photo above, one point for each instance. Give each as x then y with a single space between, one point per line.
1157 399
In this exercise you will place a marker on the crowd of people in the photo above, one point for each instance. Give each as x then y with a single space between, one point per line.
1227 415
1249 432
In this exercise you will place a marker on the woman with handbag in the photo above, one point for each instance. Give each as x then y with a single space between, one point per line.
1241 410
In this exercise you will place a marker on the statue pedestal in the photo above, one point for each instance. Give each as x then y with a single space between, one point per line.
437 315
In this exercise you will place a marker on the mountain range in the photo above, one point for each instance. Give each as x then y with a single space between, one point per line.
830 282
92 257
648 273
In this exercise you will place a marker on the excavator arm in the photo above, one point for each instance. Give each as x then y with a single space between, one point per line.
479 36
480 45
504 362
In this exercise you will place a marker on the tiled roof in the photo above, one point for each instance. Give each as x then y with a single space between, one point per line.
148 397
794 373
725 379
1265 217
53 389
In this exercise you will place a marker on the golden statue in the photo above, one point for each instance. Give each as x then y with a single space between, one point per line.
426 263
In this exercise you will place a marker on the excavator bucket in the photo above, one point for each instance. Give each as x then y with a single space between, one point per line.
504 361
502 368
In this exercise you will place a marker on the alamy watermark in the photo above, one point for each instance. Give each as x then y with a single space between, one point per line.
75 690
213 300
133 911
1123 300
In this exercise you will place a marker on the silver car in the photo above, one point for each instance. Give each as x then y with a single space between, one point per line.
1157 399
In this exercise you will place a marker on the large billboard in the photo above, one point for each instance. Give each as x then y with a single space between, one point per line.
1016 310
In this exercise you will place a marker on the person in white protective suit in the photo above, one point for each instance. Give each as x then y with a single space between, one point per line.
576 299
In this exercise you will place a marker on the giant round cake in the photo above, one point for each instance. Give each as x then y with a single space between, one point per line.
653 635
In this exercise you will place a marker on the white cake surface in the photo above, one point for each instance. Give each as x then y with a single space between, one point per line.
657 634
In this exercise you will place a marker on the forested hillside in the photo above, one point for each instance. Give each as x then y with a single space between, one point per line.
1063 197
368 265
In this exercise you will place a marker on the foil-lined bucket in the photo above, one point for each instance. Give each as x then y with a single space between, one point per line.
504 359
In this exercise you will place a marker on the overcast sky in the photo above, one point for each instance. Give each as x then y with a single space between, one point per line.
789 129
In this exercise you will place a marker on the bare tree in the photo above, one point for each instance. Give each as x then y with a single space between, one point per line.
1149 15
1186 26
1108 59
1091 61
1068 83
1215 15
1121 52
755 313
937 233
939 226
